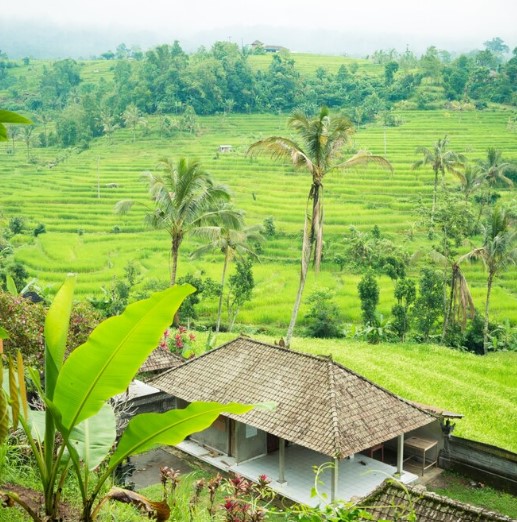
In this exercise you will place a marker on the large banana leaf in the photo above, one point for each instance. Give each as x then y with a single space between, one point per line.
37 425
94 437
56 331
110 358
11 285
149 429
9 117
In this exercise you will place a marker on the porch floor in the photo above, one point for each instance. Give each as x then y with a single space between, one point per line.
357 476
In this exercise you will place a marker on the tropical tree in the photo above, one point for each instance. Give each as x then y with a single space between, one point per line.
498 251
109 126
493 168
132 118
185 198
319 152
471 179
441 161
232 239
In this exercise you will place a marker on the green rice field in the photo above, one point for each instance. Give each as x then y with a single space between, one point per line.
74 194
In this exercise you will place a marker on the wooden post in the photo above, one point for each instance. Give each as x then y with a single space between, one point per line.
400 454
335 481
281 461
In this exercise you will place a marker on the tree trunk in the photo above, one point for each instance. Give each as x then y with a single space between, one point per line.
435 192
305 260
487 304
174 267
449 309
220 309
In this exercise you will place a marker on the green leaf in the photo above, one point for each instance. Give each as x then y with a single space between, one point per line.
11 285
94 437
107 362
4 411
56 331
148 429
13 117
37 425
3 133
4 334
13 393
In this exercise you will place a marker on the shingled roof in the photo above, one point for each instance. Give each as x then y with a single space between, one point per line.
392 501
160 360
321 404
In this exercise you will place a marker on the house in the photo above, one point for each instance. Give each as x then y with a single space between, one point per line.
223 149
257 44
391 501
324 412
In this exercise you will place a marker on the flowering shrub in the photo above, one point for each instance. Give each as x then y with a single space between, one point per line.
24 322
179 341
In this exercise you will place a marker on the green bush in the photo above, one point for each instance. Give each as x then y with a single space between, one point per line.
323 319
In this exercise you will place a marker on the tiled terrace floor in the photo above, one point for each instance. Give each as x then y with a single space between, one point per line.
357 477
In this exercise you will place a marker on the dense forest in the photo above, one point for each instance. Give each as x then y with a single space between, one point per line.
167 81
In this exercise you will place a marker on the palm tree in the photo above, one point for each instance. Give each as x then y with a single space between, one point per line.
460 305
185 198
441 161
494 168
232 240
319 152
498 251
471 179
133 119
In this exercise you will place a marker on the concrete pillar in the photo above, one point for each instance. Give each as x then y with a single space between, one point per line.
335 481
400 454
281 461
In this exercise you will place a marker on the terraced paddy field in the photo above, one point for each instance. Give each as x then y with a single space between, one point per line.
74 195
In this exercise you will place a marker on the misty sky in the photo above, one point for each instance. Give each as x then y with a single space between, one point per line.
451 24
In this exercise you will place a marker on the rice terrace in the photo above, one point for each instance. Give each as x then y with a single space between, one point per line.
377 193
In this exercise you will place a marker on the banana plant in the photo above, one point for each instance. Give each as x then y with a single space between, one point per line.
75 396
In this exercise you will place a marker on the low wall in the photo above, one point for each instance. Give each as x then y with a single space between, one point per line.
481 462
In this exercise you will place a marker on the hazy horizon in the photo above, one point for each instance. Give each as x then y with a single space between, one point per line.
57 28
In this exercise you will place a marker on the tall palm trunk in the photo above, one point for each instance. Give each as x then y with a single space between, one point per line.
220 309
174 268
487 306
435 192
308 235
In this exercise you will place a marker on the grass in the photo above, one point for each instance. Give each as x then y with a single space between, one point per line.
459 488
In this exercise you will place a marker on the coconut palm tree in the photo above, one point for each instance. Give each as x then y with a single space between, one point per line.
319 152
471 179
441 161
498 251
132 118
233 240
493 168
460 305
492 171
185 198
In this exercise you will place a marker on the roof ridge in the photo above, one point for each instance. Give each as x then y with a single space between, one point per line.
333 408
323 358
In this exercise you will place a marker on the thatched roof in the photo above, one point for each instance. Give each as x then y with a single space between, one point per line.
321 405
160 360
392 501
